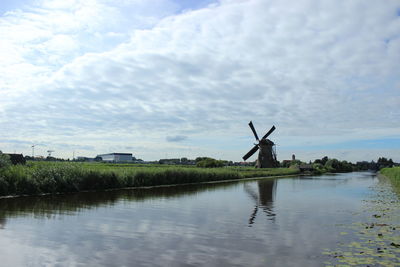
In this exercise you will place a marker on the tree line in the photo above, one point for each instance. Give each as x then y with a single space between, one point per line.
322 165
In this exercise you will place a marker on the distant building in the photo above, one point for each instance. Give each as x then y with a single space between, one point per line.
287 162
85 159
17 159
306 167
116 157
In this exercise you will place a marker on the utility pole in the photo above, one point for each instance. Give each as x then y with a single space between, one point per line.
50 151
33 151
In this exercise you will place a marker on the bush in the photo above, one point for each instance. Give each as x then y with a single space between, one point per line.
318 168
210 163
4 160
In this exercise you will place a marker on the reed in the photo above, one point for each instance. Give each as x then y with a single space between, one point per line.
61 177
394 175
268 172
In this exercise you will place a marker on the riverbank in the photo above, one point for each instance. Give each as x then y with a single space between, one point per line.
61 177
394 176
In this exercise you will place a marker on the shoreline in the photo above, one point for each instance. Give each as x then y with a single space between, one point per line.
157 186
392 175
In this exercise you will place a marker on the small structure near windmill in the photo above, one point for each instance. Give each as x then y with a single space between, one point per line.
267 154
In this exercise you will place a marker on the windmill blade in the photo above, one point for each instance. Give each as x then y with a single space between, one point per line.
251 152
254 196
253 216
269 132
254 130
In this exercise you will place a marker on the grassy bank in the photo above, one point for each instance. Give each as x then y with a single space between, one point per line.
394 175
61 177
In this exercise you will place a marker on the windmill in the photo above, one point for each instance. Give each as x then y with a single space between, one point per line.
267 155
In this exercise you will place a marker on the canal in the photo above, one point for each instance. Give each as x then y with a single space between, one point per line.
267 222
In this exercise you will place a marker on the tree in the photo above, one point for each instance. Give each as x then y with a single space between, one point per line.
29 158
390 163
318 168
4 160
201 159
322 161
334 165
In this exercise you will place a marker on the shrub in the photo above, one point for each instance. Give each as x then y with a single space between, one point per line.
318 168
4 160
210 163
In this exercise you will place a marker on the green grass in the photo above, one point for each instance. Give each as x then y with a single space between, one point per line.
61 177
394 175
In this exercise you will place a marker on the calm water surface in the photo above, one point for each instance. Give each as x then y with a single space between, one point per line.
270 222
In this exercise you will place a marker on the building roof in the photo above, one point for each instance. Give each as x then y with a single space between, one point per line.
126 154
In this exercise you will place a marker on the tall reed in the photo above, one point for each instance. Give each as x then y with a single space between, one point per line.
40 178
394 175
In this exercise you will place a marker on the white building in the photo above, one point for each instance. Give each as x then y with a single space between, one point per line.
116 157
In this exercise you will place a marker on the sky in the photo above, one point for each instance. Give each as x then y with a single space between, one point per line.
171 79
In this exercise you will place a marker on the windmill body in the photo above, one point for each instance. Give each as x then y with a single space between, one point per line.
267 155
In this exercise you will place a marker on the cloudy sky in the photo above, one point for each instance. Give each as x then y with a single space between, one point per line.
169 78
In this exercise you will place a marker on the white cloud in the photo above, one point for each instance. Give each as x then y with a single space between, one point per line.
322 72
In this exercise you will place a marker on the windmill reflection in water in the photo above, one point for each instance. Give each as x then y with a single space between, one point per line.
264 198
2 222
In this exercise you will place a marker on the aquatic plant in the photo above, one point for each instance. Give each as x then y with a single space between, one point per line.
374 241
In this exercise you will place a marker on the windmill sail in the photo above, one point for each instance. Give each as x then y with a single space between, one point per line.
251 152
254 130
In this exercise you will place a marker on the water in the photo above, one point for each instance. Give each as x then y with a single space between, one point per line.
270 222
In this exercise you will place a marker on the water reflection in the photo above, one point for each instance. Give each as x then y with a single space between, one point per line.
2 222
51 205
263 200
